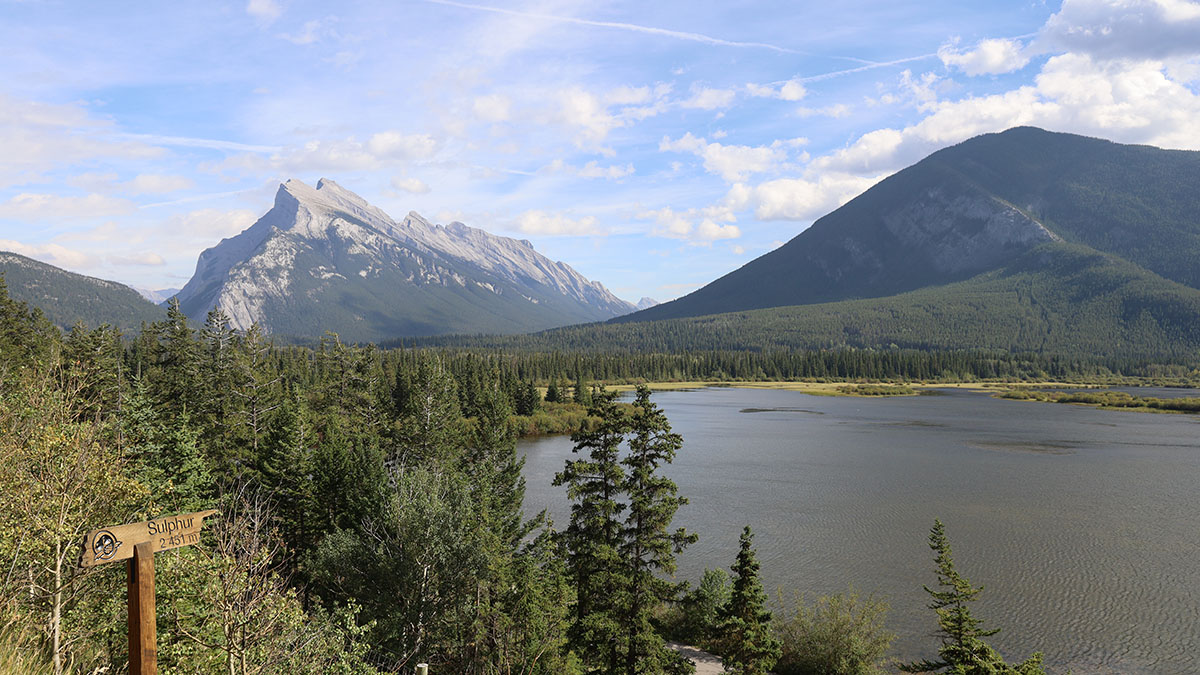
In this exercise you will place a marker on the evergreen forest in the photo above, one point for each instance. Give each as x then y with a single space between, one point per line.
370 508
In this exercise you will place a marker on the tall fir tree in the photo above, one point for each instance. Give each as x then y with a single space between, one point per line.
649 545
595 484
174 379
749 646
963 650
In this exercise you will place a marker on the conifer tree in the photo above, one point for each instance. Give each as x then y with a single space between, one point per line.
175 379
595 484
217 372
430 428
649 546
749 646
963 650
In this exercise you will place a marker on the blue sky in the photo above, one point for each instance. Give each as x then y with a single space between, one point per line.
652 146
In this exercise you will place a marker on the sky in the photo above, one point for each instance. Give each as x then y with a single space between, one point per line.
653 146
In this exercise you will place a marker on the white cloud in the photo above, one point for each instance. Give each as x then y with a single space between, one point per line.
556 224
38 137
395 145
705 98
93 181
380 150
411 185
628 95
310 33
989 57
590 170
792 90
55 254
492 108
836 111
585 112
798 198
152 183
1131 101
731 162
1115 29
142 258
209 225
264 10
672 224
41 207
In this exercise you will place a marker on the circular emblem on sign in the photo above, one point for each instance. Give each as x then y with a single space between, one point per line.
105 545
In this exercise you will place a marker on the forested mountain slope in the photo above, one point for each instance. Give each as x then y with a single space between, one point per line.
1057 299
974 208
66 298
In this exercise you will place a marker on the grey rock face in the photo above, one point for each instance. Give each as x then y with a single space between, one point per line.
965 233
327 253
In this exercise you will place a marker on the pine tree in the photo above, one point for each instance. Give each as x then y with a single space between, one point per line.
175 379
748 644
430 428
595 485
963 650
649 545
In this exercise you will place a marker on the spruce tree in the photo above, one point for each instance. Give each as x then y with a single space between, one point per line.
963 650
649 545
750 648
595 484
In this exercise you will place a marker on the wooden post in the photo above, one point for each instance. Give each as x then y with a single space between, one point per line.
143 634
422 669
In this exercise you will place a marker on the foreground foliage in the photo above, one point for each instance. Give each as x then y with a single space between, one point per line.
841 634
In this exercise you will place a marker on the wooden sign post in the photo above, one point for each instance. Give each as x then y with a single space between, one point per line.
137 543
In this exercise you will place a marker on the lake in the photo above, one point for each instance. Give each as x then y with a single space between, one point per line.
1083 525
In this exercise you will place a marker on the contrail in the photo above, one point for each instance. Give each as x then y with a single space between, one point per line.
679 35
211 144
870 66
197 198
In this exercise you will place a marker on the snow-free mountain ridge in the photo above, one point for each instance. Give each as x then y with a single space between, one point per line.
977 207
324 259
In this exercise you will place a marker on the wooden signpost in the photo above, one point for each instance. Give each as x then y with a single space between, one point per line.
137 543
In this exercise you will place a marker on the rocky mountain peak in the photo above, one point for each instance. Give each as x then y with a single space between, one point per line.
330 199
326 252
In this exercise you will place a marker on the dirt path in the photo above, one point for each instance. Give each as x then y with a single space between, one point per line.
706 664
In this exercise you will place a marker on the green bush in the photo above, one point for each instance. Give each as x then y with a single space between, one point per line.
841 634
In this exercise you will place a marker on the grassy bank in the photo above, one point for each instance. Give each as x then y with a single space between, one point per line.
1110 400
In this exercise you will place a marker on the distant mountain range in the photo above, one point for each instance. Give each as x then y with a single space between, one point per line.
158 297
1025 240
324 259
66 298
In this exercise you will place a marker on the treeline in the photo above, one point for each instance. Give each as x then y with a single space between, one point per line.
840 364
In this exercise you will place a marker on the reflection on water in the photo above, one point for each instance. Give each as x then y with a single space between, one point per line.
1083 525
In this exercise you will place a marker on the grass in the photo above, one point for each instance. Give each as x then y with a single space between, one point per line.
19 654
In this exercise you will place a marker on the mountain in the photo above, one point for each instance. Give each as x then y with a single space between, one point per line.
324 259
979 208
1059 299
158 297
646 303
66 298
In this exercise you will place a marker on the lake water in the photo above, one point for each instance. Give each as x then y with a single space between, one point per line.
1083 525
